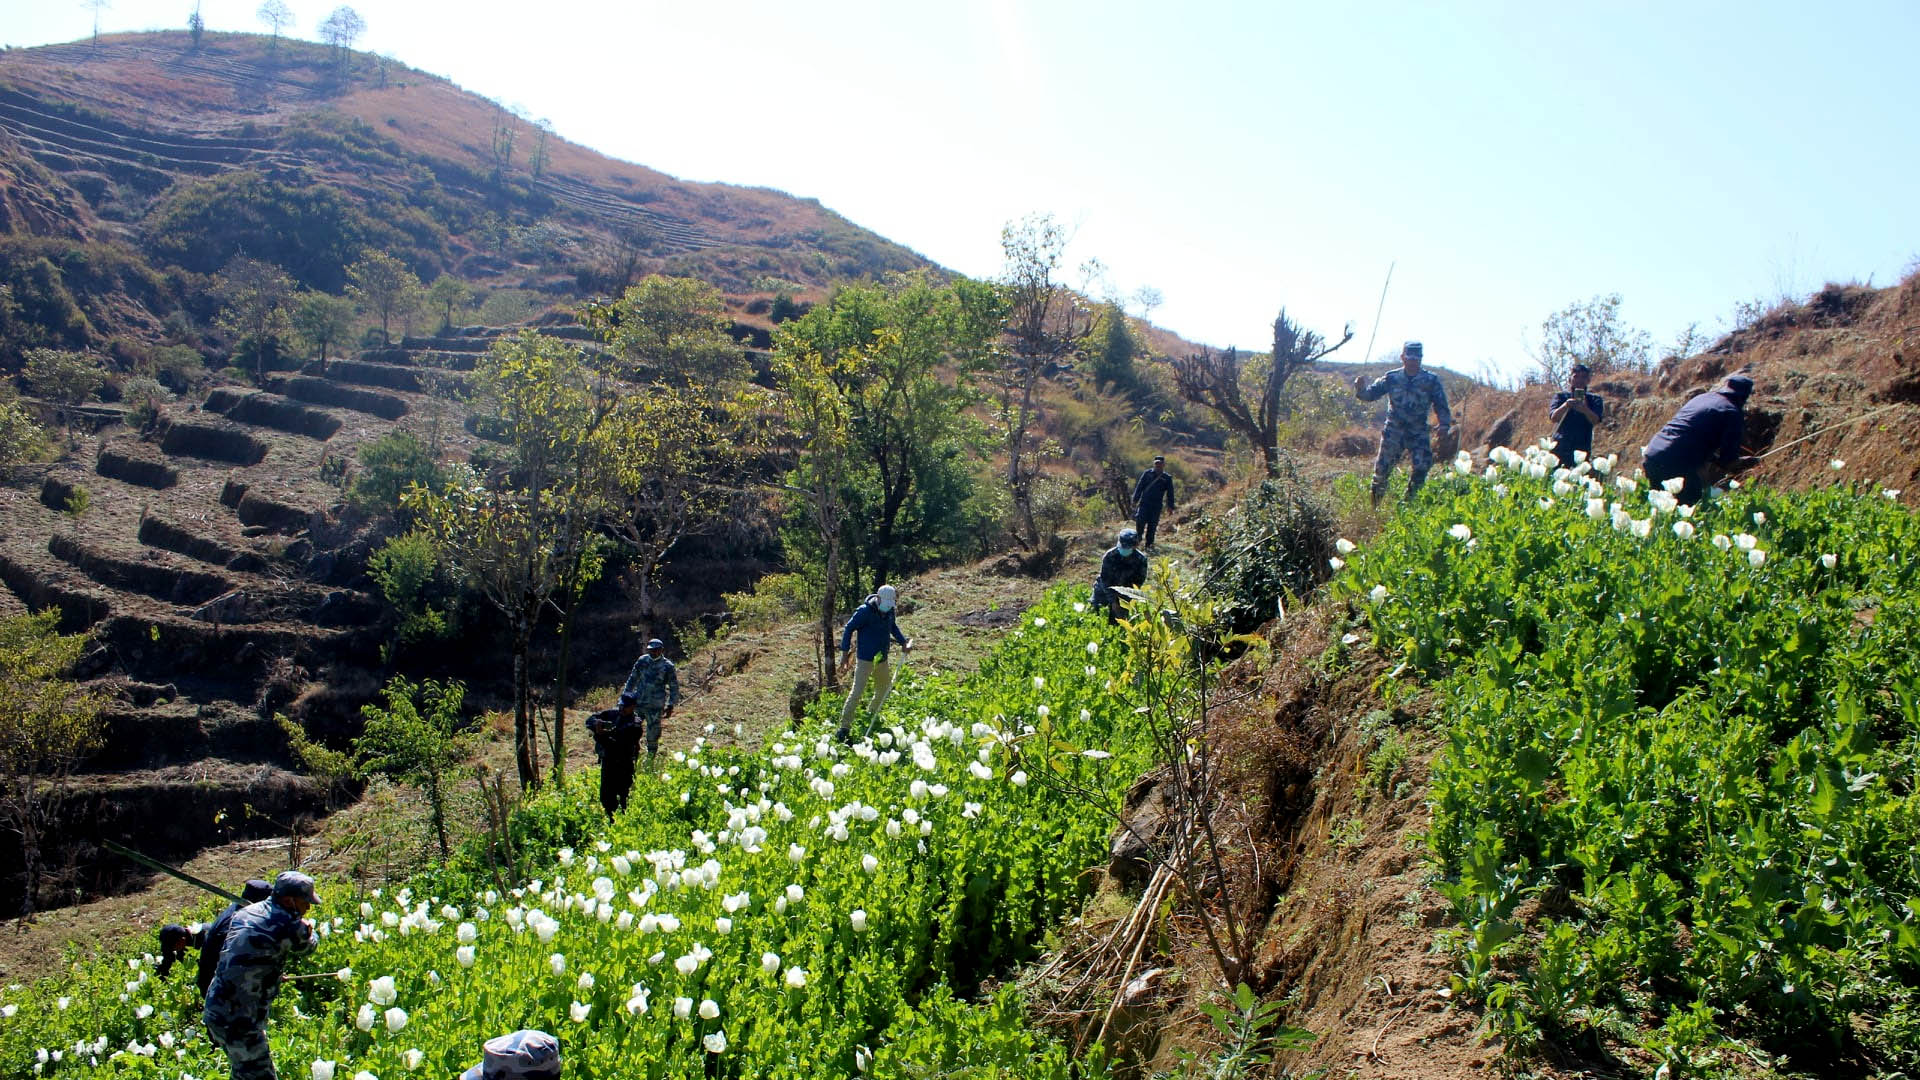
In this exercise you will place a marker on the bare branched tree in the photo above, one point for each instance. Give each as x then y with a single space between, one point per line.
340 29
277 15
1219 381
1045 322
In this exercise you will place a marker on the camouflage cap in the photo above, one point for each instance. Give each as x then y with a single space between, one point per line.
294 883
523 1055
256 890
656 643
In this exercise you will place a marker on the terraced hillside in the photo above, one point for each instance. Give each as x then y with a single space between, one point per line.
225 582
123 141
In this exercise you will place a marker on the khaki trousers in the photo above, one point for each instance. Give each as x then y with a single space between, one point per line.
882 673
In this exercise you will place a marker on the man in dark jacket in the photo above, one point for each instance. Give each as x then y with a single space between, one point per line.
1154 488
654 686
174 938
876 624
616 742
1575 414
1124 564
1705 432
260 938
1410 393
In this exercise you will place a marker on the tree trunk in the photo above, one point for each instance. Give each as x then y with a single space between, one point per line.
437 803
523 749
559 746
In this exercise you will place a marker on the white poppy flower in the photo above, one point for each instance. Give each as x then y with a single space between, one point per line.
322 1070
1757 558
381 991
858 917
1829 561
715 1043
709 1009
364 1018
557 962
1378 594
578 1012
414 1059
796 978
396 1018
682 1007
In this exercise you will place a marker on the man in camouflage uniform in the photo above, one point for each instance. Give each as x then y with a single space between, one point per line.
654 686
1410 392
259 940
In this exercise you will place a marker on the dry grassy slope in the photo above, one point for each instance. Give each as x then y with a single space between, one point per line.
156 108
1845 352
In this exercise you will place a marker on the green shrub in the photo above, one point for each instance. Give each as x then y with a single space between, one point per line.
388 467
773 599
408 570
1273 545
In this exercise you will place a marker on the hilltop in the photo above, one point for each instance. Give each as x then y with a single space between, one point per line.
161 160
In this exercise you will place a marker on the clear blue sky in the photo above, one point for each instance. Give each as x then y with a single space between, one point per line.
1510 157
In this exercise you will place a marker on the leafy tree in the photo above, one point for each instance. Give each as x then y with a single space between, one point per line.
21 439
521 544
1045 319
416 738
340 29
256 308
674 455
1111 349
383 287
448 294
907 418
277 15
816 409
389 466
1591 332
497 543
66 379
672 330
323 320
1245 397
48 723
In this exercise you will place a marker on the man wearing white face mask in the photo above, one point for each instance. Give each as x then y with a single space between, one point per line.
864 642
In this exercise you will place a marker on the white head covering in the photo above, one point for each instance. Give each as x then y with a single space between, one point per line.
887 594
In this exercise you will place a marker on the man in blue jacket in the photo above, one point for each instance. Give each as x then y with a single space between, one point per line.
1153 490
1410 392
865 638
1706 431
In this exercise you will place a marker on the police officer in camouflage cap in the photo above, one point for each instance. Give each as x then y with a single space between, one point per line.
523 1055
259 940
